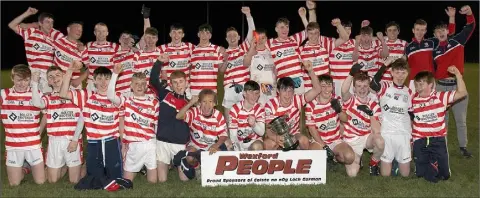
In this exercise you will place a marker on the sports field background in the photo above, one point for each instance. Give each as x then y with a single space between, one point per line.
463 183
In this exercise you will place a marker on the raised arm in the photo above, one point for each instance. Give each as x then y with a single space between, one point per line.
155 76
251 24
342 33
355 53
461 91
64 90
375 83
146 24
18 20
36 98
384 52
312 15
451 11
181 114
252 51
463 36
116 100
312 93
302 12
348 82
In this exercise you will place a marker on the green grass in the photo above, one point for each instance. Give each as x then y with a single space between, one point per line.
463 183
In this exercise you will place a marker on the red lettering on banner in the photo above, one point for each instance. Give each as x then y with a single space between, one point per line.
260 167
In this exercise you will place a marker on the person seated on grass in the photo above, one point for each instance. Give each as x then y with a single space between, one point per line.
208 131
21 121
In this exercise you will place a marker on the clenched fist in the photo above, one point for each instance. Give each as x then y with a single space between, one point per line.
466 10
117 68
302 12
31 11
336 22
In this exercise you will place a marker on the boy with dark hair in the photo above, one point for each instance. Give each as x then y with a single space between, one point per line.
247 120
101 123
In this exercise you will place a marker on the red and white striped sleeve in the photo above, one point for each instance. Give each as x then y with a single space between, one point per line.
232 116
190 115
299 37
309 120
447 97
375 109
347 104
222 125
270 110
260 114
383 88
24 33
55 34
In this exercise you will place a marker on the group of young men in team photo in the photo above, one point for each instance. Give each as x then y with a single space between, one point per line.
153 107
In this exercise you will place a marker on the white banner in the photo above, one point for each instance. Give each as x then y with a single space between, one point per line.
264 167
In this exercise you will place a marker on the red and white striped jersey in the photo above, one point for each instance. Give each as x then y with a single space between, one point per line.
101 116
395 104
430 113
205 62
319 56
204 132
370 58
100 55
62 116
358 123
126 58
286 55
397 50
65 52
273 110
324 118
38 46
20 119
141 116
144 61
179 58
236 71
239 120
341 60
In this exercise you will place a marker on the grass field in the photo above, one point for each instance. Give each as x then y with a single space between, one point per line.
463 183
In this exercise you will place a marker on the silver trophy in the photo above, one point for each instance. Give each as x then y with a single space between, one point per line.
280 126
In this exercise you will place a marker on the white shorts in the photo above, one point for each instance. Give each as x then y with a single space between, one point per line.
331 145
166 151
411 85
58 156
139 154
358 144
43 82
397 147
15 158
240 146
231 97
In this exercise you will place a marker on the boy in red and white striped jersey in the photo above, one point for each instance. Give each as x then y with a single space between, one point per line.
208 129
341 59
396 46
323 117
205 62
362 130
370 52
236 73
64 127
38 39
284 51
145 58
101 123
125 56
21 121
100 52
141 116
318 48
247 120
429 131
69 49
289 104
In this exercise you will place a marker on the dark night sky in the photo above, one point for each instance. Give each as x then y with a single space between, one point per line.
126 16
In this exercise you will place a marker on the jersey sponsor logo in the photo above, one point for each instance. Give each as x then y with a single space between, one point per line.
100 60
427 117
367 65
204 66
318 61
141 121
286 52
42 47
343 56
64 115
204 126
22 117
359 124
105 119
127 65
63 57
236 63
394 109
